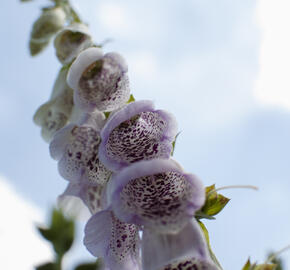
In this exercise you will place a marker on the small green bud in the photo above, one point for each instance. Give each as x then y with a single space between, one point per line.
37 47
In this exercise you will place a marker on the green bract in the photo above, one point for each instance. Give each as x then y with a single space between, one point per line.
213 205
254 266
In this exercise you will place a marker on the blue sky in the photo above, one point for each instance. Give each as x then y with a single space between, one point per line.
219 66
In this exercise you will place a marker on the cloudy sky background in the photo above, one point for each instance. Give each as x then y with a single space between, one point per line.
221 67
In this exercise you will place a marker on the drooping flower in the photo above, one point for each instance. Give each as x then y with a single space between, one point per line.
70 41
100 81
136 132
157 194
76 149
54 114
184 250
115 241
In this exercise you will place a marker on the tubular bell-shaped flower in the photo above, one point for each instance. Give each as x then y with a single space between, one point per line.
100 81
136 132
76 149
70 41
184 250
54 114
115 241
157 194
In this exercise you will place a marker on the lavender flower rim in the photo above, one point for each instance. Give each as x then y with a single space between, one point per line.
147 168
84 59
126 113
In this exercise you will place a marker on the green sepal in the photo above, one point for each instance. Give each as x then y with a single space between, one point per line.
107 114
213 205
60 233
206 235
131 99
174 144
247 266
266 267
254 266
48 266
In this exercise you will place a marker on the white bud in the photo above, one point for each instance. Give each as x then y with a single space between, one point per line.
54 114
50 21
70 41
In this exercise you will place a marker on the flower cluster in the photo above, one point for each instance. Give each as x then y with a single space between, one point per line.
115 153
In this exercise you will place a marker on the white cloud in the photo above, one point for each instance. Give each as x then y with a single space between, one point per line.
20 245
273 84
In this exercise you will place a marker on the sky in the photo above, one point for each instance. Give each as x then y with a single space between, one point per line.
221 67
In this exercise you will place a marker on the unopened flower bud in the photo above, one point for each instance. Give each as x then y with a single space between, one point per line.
50 21
54 114
37 47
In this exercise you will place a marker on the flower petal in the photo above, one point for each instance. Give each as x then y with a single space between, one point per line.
84 59
60 139
136 132
71 204
157 194
115 241
80 157
91 196
159 250
191 263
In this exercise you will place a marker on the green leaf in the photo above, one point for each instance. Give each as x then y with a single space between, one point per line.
91 266
213 205
205 232
60 233
276 261
48 266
